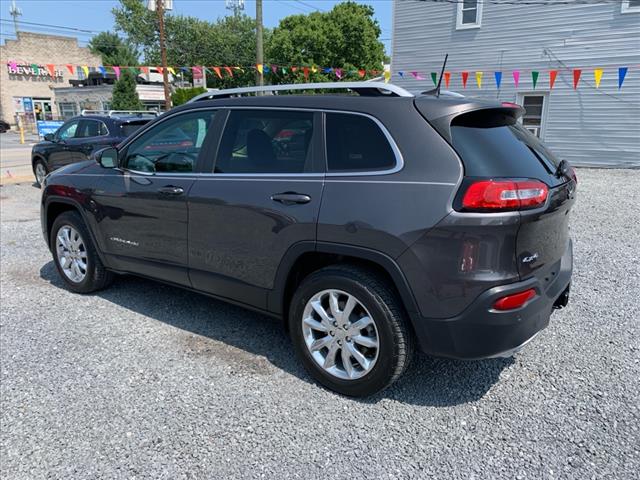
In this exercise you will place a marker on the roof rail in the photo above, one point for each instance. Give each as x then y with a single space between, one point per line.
362 88
115 113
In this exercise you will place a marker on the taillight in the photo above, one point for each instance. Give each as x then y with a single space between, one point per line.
516 300
500 195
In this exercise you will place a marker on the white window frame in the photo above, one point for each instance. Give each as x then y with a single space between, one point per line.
627 8
459 16
545 108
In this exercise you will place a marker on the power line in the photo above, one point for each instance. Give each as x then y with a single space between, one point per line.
53 26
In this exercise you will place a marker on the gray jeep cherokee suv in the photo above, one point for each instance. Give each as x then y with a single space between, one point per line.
373 222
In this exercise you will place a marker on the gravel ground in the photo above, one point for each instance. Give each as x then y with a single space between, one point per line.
147 381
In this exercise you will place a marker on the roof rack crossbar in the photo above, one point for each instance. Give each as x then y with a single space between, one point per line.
113 113
363 88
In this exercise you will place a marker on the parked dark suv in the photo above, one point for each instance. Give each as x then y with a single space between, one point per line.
80 136
372 223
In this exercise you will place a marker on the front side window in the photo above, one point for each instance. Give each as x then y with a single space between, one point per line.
266 141
170 146
356 143
469 14
68 130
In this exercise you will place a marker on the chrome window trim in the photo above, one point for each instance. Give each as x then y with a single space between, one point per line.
363 173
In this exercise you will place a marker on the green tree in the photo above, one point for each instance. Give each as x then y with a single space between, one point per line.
113 50
125 96
345 37
183 95
229 41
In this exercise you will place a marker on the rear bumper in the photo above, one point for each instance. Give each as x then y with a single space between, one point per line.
482 332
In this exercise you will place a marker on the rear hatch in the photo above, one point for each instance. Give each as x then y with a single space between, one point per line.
494 146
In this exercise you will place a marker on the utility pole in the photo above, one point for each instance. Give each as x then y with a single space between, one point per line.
15 12
259 47
163 54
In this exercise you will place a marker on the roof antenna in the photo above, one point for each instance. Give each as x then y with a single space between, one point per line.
446 56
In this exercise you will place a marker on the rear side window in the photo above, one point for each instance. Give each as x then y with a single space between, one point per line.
91 128
266 141
356 143
493 144
129 128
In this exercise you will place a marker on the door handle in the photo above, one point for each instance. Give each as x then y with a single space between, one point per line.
171 190
290 198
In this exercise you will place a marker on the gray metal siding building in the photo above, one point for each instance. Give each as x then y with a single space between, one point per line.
587 126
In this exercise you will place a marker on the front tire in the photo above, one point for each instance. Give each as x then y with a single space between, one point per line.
75 255
40 171
350 331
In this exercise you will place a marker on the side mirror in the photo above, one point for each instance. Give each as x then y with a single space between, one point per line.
107 157
49 137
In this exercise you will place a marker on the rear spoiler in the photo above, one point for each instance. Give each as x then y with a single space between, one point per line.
441 112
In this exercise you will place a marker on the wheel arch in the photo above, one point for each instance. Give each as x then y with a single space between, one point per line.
304 258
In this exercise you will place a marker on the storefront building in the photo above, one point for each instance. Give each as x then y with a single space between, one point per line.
32 66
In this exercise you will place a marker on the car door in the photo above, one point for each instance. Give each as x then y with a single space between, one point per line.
143 214
91 134
59 153
263 197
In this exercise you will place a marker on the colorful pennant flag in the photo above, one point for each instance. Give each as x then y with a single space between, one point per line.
103 70
116 70
196 70
160 70
434 78
417 76
71 68
361 73
479 79
266 68
51 68
339 73
516 77
85 69
534 78
387 76
260 68
597 76
576 77
552 78
145 70
305 70
230 72
13 65
465 77
401 74
217 70
35 68
447 79
622 72
314 69
498 76
274 68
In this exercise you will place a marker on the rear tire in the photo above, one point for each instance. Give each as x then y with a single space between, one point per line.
360 362
75 255
40 171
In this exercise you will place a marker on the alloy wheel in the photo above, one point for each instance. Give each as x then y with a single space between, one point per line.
340 334
71 253
41 173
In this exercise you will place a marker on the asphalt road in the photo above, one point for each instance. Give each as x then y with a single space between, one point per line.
148 381
15 158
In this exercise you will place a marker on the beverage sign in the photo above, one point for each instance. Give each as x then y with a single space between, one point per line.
33 70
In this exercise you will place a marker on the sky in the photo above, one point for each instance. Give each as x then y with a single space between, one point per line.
92 16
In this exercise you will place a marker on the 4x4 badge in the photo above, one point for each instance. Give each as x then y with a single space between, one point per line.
530 258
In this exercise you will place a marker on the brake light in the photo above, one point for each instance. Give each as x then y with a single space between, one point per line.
517 300
492 195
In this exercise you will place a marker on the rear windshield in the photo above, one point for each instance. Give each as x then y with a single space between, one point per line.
129 128
493 144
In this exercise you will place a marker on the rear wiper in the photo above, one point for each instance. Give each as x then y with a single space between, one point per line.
563 169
